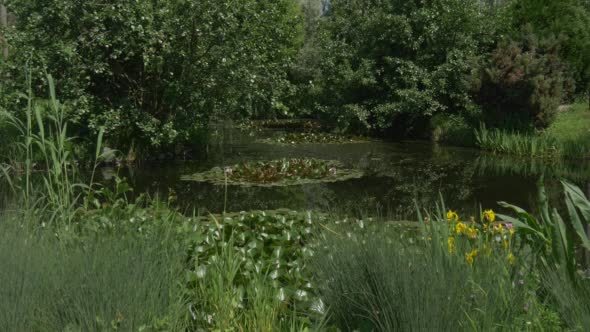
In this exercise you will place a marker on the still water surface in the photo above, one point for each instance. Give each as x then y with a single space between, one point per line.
396 174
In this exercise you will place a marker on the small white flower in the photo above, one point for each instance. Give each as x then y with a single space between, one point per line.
228 171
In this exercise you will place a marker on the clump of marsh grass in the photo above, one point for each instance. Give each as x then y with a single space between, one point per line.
100 283
542 145
571 298
55 193
386 282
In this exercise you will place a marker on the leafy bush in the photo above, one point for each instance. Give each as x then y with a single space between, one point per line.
453 129
151 71
523 83
393 64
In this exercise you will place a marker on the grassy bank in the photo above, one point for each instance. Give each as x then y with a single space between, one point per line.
567 138
572 124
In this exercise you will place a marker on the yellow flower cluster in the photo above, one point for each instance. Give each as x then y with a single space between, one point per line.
492 236
470 256
451 244
489 216
452 216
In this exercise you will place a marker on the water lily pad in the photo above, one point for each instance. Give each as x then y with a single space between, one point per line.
312 138
284 172
286 124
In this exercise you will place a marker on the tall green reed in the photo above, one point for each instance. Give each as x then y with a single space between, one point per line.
552 240
56 192
530 145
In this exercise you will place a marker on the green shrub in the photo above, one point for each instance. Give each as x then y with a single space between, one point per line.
391 65
523 83
452 129
568 20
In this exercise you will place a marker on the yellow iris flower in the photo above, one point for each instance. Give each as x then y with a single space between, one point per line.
470 257
452 216
460 228
451 244
499 228
471 232
511 258
489 215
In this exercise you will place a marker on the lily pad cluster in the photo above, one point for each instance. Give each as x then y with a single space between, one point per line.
272 243
313 138
279 245
283 172
288 124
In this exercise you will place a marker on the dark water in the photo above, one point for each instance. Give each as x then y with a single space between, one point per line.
396 174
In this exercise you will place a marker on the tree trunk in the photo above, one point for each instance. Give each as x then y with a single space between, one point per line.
3 24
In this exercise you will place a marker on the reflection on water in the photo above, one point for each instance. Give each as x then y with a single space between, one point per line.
396 174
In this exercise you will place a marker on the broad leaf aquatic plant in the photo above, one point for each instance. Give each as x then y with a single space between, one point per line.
231 253
551 240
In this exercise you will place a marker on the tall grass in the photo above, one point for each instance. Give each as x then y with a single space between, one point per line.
571 298
385 282
391 280
530 145
101 283
57 275
46 147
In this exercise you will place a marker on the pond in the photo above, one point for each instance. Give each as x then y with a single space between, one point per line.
395 174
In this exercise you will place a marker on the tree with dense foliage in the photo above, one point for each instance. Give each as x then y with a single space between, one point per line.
393 64
152 71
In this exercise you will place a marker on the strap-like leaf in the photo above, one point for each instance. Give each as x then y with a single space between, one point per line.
576 221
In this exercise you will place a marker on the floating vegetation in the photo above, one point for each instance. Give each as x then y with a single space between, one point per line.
287 124
283 172
313 138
